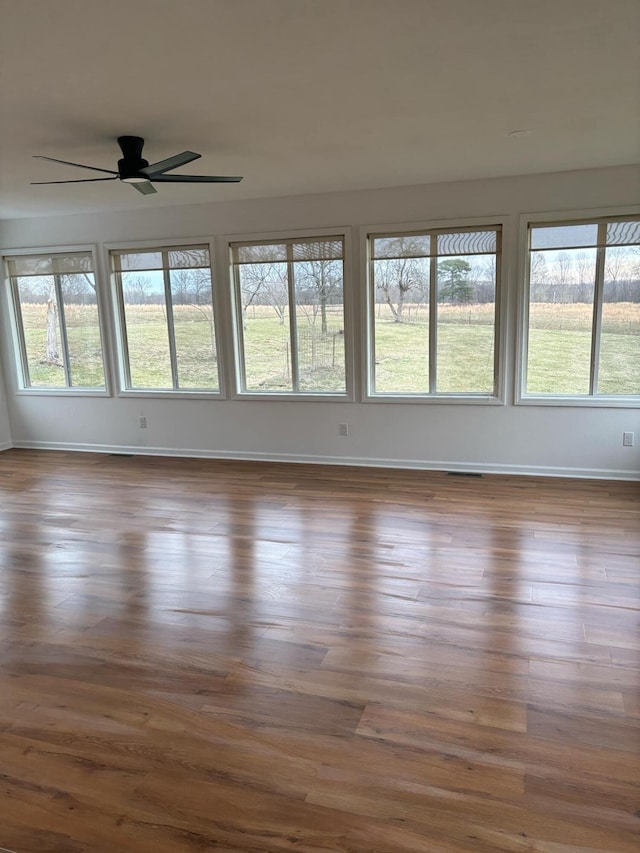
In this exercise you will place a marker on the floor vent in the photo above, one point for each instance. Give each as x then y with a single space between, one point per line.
463 474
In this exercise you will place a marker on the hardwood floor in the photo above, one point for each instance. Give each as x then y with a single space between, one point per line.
230 656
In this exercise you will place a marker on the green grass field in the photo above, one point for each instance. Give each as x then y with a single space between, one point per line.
559 350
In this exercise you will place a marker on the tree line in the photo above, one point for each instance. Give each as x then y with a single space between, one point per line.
568 277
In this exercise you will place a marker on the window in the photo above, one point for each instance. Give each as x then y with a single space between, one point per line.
582 333
57 320
290 312
433 301
168 336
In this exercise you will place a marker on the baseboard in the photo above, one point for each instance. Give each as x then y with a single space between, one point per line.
5 445
357 461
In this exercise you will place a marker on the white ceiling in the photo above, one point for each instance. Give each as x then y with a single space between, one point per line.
305 96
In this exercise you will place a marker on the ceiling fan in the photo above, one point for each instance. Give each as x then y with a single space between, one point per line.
134 170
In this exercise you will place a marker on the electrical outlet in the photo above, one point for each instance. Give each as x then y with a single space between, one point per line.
343 429
142 421
627 439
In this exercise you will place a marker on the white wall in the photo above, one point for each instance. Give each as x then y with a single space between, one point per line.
536 439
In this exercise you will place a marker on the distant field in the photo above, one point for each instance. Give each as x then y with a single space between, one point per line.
559 349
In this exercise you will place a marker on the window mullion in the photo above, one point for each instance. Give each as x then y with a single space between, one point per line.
166 274
63 329
293 325
239 347
124 340
598 299
498 318
371 319
22 344
433 315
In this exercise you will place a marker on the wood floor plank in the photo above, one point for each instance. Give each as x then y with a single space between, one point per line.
259 658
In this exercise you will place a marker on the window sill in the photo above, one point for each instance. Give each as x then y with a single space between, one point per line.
62 392
580 402
160 394
437 399
310 397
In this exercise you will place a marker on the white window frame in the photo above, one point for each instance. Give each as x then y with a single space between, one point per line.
238 392
18 348
500 222
119 321
553 218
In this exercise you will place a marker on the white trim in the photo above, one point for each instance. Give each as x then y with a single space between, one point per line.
19 355
119 352
164 243
357 461
551 218
522 308
578 217
47 250
481 222
106 303
435 399
503 222
599 402
286 234
349 285
293 397
6 445
73 391
161 394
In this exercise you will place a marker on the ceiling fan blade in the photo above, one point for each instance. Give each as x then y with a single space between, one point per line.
78 165
196 179
145 188
80 181
170 163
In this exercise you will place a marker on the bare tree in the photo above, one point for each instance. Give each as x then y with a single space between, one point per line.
58 285
483 283
192 287
621 273
585 271
264 281
538 276
136 289
322 281
396 277
68 287
561 278
274 289
51 353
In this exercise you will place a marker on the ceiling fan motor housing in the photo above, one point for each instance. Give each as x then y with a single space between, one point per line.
132 161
